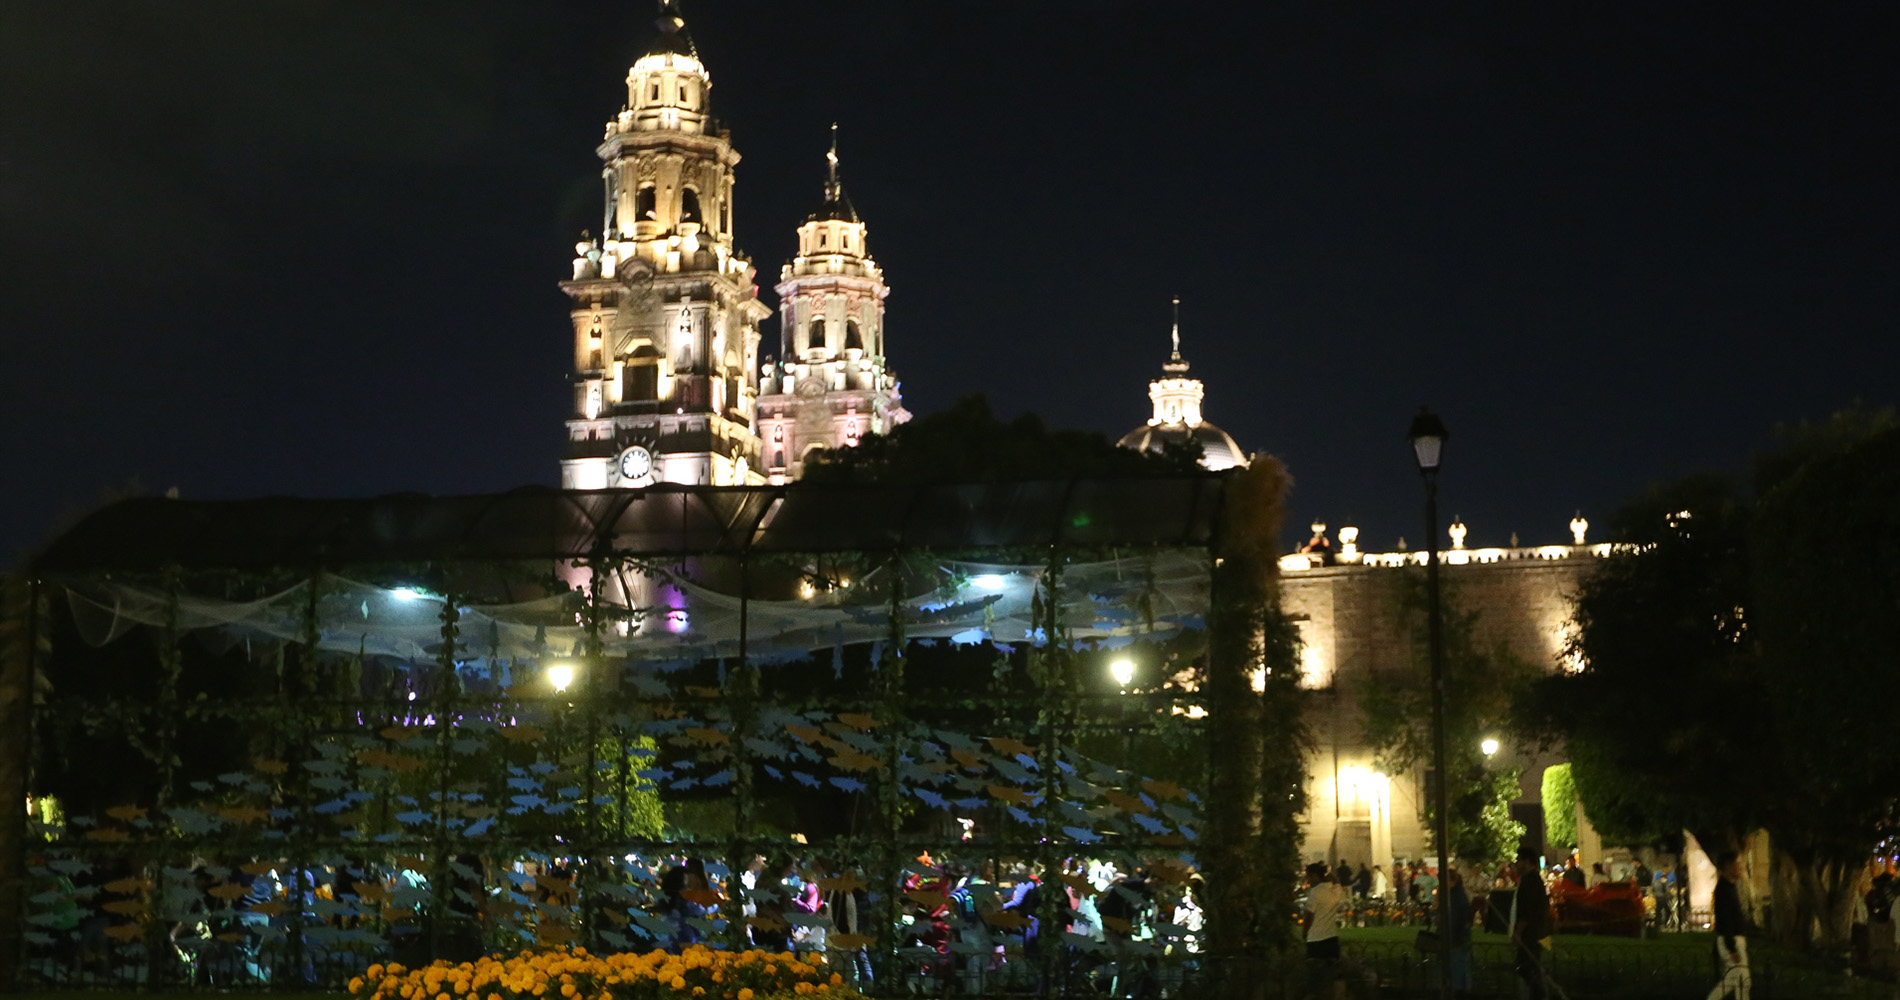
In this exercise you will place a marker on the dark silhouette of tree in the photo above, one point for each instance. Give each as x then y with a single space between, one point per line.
1483 682
967 443
1736 663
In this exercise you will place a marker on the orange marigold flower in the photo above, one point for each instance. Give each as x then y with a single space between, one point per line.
679 982
837 980
745 993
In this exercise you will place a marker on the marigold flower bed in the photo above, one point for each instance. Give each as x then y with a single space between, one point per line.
575 974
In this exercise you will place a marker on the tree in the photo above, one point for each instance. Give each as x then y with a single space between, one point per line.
967 443
1729 654
1559 795
1657 717
1481 685
1825 579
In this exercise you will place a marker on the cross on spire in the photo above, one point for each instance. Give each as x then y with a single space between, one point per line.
1175 335
831 162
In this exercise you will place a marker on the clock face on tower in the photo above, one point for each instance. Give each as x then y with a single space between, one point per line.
636 463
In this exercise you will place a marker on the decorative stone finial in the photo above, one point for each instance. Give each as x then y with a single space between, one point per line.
1457 532
1578 527
1175 336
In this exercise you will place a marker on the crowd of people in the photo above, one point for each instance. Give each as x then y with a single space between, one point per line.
969 929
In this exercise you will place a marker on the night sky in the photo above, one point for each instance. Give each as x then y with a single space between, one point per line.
312 248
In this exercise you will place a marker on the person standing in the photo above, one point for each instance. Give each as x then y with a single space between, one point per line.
1362 882
1530 926
1381 885
1731 930
1663 887
1459 931
1325 901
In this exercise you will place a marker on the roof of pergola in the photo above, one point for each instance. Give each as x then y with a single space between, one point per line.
537 523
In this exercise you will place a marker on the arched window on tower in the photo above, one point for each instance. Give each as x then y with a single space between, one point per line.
815 338
640 375
851 338
689 205
646 203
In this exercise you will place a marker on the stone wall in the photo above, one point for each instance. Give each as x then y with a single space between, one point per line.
1355 634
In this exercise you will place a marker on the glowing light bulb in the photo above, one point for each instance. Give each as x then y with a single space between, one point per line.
560 676
1123 671
1489 747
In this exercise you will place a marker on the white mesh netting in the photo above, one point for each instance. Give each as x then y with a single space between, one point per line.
1157 592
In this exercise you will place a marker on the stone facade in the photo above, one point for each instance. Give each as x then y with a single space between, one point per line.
1348 606
832 384
666 314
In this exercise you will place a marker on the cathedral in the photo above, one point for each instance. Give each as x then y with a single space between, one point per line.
670 383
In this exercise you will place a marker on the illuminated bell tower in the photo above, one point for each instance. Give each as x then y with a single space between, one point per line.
666 313
831 384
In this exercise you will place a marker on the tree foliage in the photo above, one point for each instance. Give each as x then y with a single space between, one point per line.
1735 660
1559 795
967 443
1480 684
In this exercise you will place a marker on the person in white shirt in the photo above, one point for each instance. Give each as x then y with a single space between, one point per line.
1325 903
1381 885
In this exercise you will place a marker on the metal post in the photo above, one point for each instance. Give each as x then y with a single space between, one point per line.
1442 826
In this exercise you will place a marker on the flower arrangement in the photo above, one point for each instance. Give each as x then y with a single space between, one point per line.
576 974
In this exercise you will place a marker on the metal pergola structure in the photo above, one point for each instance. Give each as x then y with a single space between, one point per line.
292 736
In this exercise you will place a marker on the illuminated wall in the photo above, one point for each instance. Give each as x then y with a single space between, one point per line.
1348 611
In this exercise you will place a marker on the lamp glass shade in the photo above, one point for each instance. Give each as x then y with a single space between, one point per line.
1428 436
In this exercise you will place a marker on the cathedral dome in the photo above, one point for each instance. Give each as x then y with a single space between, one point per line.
1219 450
1177 414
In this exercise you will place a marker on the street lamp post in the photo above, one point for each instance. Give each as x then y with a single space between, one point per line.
1428 437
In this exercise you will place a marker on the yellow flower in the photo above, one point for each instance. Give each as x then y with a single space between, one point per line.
679 982
837 980
745 993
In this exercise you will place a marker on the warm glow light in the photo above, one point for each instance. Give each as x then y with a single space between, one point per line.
560 676
1123 671
988 581
1489 747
